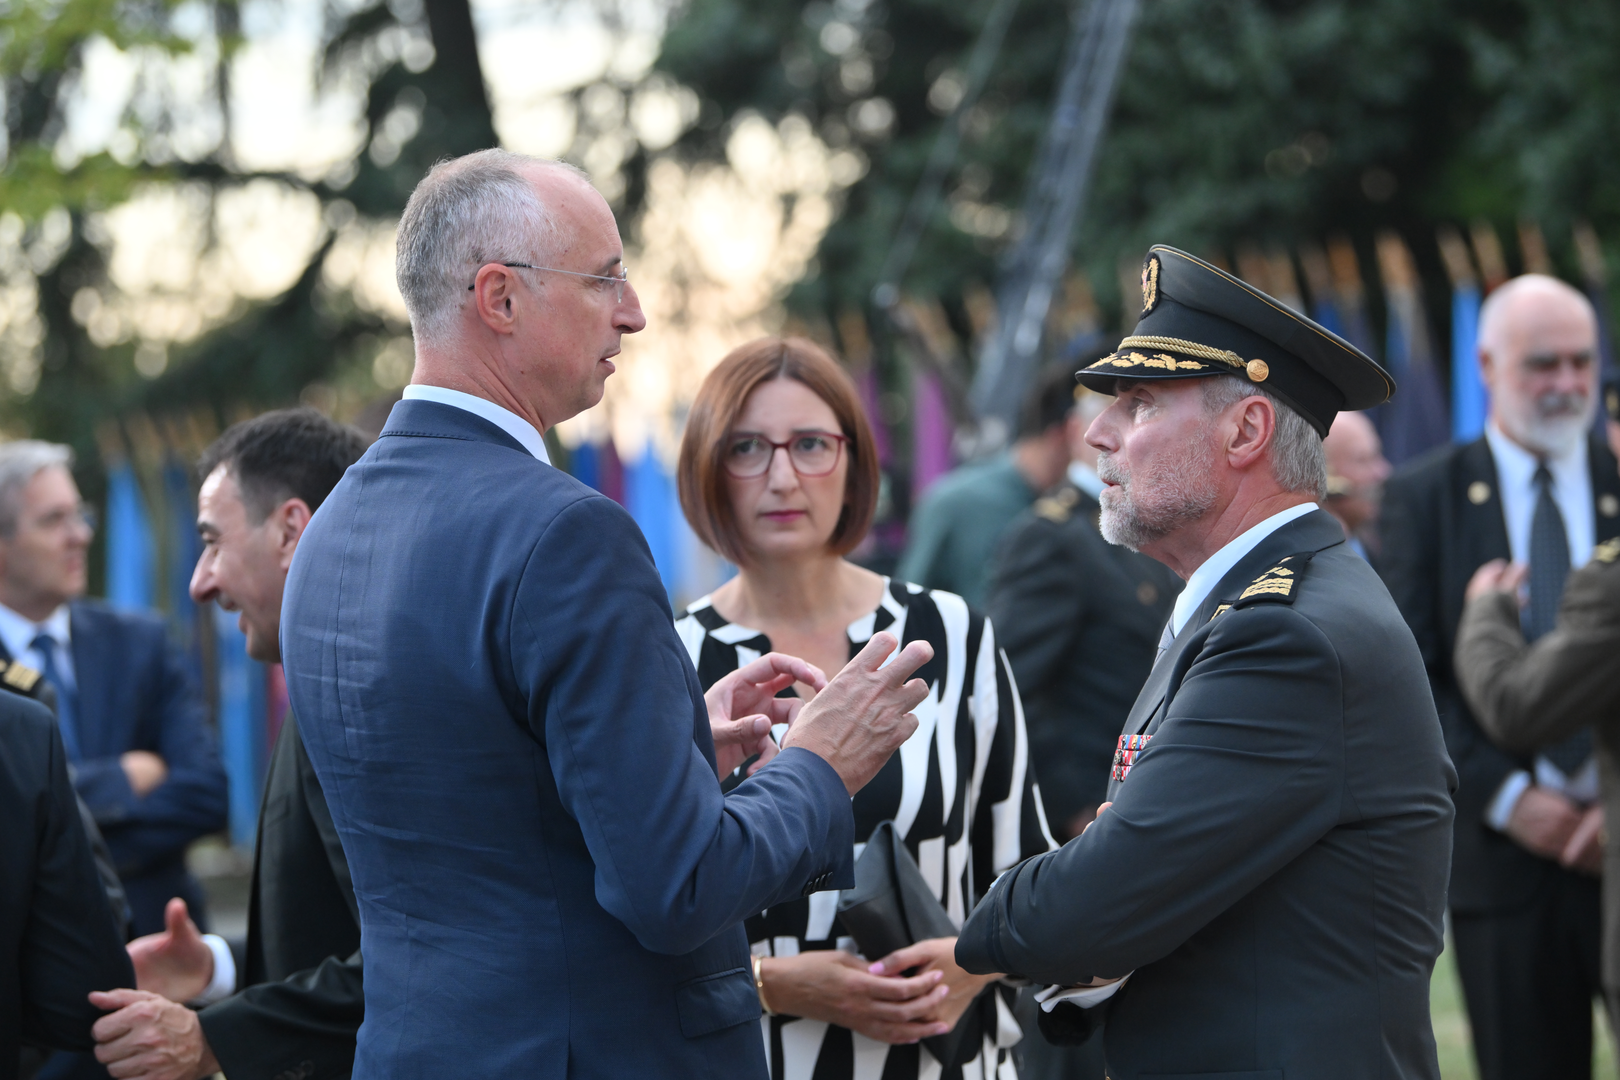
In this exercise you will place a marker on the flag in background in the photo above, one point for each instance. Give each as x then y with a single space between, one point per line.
1469 402
649 493
1595 272
131 559
1415 419
931 430
242 740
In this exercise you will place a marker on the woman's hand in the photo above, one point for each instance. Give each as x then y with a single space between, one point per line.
937 955
832 985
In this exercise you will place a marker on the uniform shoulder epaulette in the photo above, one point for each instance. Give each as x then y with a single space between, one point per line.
1057 506
1279 585
18 677
1607 552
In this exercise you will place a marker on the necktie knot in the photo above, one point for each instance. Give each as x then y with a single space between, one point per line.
66 704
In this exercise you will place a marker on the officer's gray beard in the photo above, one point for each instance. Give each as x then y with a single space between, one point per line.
1556 423
1170 492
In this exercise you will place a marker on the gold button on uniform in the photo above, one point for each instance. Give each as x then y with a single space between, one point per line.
1608 505
1147 593
1479 493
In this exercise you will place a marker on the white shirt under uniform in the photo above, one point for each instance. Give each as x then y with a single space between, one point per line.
1572 492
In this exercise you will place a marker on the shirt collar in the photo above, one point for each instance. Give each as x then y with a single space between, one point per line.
505 419
1207 576
17 631
1086 479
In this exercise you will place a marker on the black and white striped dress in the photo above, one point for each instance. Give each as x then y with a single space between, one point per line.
960 791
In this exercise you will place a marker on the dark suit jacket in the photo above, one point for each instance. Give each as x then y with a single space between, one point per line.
1080 621
304 999
516 752
1434 537
1273 869
58 937
134 694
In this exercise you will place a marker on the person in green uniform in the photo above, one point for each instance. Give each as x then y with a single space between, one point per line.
955 528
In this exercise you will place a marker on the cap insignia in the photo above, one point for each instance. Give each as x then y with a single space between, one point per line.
1607 552
1150 284
1258 370
1479 493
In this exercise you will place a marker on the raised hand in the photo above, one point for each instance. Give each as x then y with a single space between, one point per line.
864 714
937 954
743 707
175 963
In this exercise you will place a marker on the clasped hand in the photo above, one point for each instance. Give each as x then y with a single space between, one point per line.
875 999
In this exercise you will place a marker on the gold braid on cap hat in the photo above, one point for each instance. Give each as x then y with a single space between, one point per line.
1190 348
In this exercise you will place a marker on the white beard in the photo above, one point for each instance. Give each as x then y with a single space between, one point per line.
1171 492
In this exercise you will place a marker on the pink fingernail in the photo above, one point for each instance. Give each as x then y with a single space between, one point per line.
876 969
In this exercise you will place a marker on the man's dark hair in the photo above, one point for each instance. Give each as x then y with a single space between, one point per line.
1048 402
286 454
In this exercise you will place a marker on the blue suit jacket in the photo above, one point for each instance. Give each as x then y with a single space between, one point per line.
516 753
134 693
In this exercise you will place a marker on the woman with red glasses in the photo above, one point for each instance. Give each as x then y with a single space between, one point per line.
778 473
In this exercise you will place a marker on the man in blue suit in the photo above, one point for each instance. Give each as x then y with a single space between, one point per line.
131 718
515 749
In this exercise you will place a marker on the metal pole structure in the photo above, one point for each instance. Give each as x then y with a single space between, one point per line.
1032 269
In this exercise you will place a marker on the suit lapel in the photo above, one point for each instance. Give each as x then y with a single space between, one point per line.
1605 490
1479 495
91 665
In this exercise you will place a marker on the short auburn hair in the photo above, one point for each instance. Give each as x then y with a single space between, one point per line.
702 476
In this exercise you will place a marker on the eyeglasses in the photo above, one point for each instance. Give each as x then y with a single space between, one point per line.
620 280
57 520
749 454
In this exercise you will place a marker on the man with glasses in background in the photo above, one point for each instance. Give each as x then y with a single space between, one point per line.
132 720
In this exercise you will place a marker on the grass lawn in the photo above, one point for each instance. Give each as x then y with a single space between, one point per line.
1451 1029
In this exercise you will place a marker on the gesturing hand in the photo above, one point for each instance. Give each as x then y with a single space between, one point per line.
743 707
1542 822
832 985
175 963
1498 575
864 714
150 1038
1584 851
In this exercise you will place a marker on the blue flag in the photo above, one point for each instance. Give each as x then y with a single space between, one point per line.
1415 419
649 495
242 738
131 559
1469 401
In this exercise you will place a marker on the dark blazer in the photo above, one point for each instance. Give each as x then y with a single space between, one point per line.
1273 869
516 753
1434 537
304 999
58 937
1080 620
134 694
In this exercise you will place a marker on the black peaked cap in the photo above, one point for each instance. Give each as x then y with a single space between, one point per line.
1199 320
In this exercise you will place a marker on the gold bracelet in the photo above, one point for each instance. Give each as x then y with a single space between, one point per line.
759 987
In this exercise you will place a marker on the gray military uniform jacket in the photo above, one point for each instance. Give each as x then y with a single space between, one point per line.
1273 869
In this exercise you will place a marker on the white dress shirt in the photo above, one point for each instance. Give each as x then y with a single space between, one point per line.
17 632
1203 579
1572 492
505 419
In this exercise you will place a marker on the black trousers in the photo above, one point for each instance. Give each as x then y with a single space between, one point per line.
1529 978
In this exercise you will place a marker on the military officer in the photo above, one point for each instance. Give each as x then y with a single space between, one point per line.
1263 896
1079 619
1528 696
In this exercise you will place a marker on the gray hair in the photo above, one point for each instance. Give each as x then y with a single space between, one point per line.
1297 458
20 462
466 212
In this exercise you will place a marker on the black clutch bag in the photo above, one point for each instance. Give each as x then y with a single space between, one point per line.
891 907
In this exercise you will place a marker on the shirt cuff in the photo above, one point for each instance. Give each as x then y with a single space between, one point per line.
1085 997
223 984
1506 798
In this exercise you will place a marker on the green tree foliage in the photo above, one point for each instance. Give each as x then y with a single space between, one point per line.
1244 121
